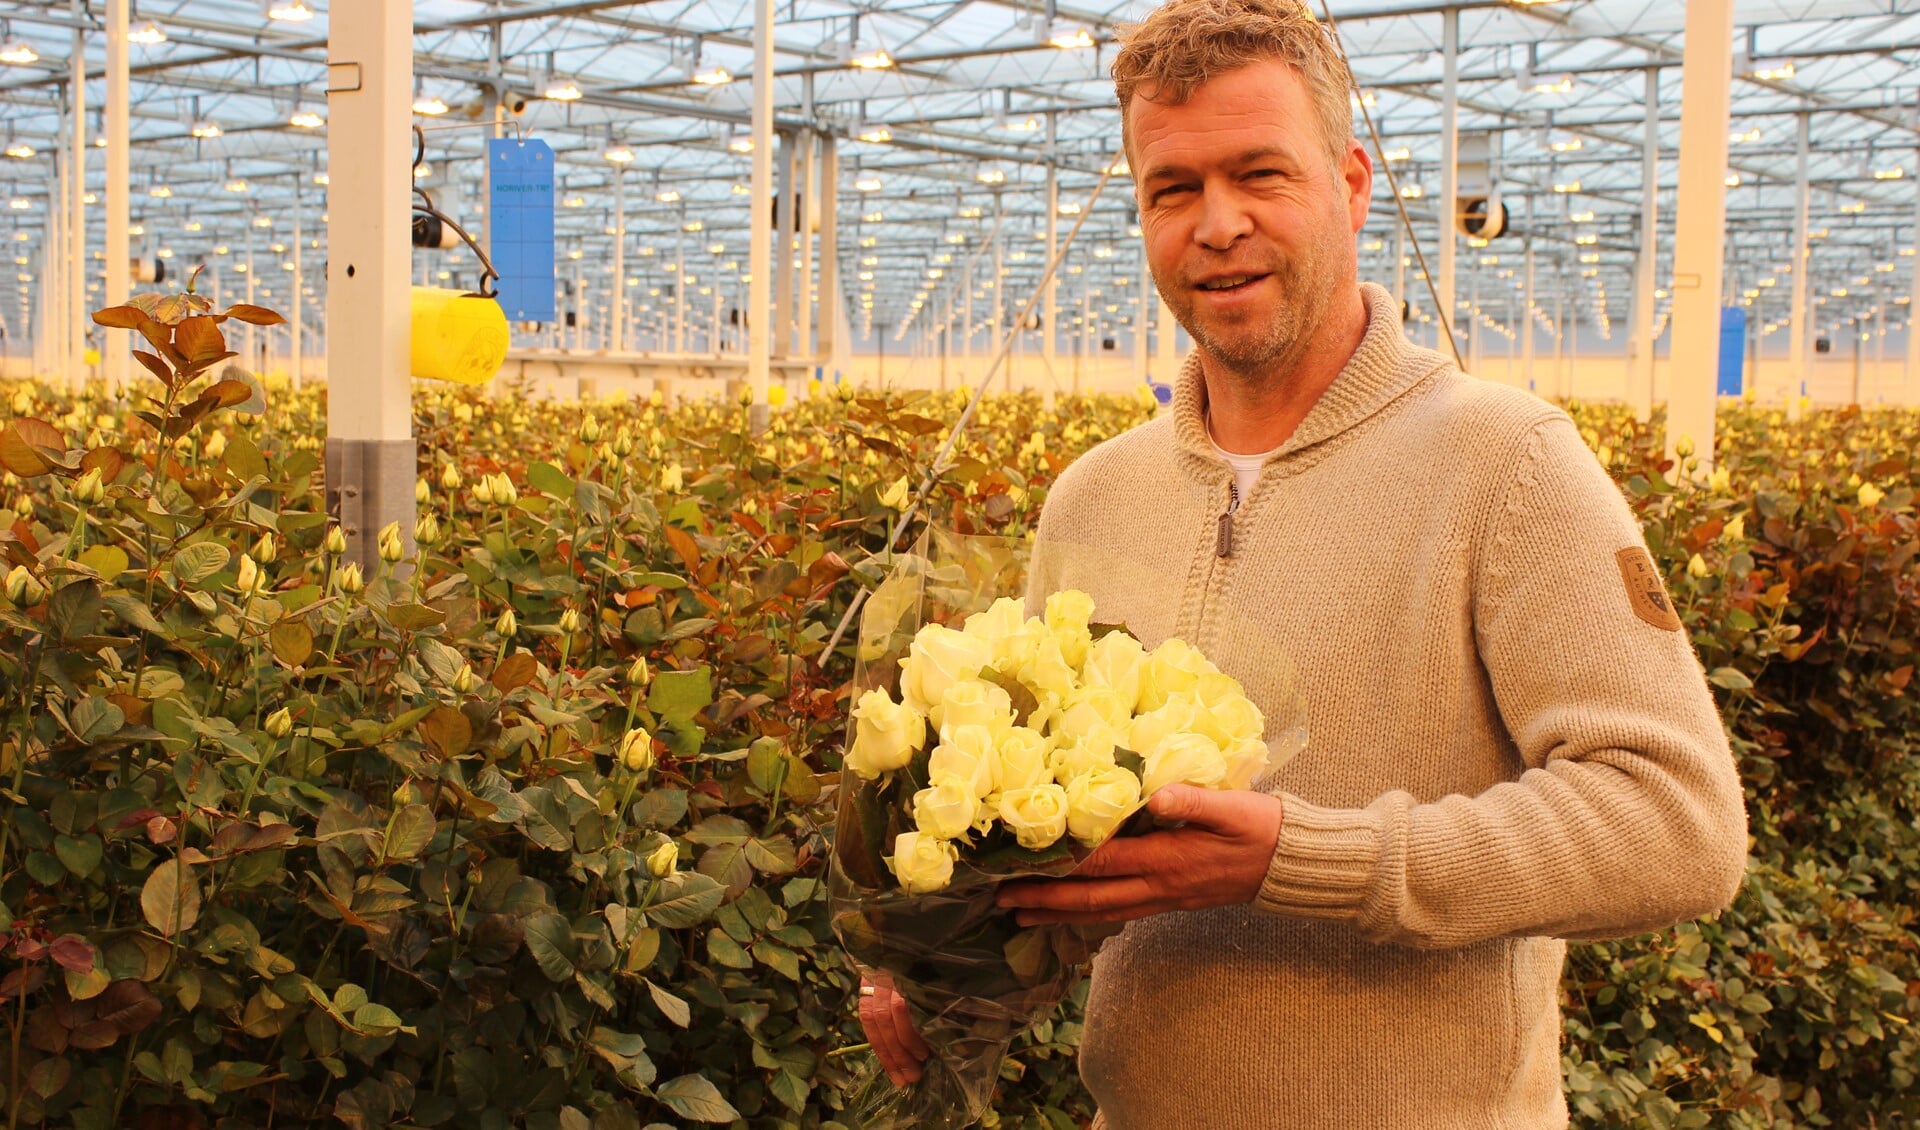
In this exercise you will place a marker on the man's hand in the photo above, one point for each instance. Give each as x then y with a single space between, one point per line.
1219 858
889 1025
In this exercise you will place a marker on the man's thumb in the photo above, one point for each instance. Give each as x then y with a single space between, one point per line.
1179 802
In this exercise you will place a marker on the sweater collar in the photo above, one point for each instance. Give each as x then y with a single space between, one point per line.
1383 367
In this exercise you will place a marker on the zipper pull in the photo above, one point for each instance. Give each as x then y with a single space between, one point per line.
1223 529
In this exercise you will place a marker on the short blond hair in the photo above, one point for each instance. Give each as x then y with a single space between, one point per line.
1184 43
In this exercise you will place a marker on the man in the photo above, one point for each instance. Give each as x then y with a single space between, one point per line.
1511 742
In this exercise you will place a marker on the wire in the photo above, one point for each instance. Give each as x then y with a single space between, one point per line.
1393 185
488 276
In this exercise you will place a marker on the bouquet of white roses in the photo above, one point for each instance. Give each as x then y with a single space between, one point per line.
1008 746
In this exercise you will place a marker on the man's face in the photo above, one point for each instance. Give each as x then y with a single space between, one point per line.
1249 232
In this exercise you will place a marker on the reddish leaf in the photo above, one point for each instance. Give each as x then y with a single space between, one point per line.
515 671
71 951
21 444
120 317
128 1005
109 461
256 315
683 544
226 394
199 338
23 981
154 365
161 337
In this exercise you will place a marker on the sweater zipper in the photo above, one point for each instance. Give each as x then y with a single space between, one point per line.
1223 527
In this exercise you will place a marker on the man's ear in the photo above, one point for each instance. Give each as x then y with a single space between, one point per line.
1357 171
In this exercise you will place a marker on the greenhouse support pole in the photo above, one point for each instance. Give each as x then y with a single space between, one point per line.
784 232
1449 160
295 343
760 234
1880 353
1913 309
808 295
1800 339
77 208
1526 326
619 257
1700 227
370 445
1640 379
1050 301
1400 267
833 344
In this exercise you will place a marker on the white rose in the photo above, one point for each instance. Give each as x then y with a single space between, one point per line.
1091 708
1246 760
1118 661
938 658
1172 668
1174 716
973 702
1005 629
1098 800
967 753
1023 759
921 862
1093 751
1226 714
885 734
947 809
1191 759
1046 670
1067 614
1036 816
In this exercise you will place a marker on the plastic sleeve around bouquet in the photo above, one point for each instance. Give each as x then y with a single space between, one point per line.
972 977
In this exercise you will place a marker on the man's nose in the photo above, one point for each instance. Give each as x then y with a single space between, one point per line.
1224 219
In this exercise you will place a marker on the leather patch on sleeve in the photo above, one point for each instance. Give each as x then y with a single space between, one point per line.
1644 590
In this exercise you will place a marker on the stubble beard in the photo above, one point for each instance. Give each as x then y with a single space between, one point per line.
1259 354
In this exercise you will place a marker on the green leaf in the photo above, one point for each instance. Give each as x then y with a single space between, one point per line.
687 898
790 1089
695 1097
547 478
170 899
378 1020
550 940
778 958
681 694
1730 678
199 561
670 1006
723 950
107 560
80 856
413 828
94 718
410 617
660 808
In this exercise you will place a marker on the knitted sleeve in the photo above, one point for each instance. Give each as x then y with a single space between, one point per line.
1629 815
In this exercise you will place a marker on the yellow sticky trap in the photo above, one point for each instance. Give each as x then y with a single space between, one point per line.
458 336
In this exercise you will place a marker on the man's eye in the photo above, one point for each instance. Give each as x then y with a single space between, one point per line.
1163 193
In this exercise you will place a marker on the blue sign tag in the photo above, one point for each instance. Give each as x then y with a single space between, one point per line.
1733 351
520 214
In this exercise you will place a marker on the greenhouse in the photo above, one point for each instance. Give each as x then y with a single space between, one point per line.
527 602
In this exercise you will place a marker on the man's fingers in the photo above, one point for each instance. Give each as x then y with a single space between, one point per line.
1179 802
877 1019
908 1036
1079 895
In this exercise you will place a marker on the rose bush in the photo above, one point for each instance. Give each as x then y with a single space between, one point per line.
424 844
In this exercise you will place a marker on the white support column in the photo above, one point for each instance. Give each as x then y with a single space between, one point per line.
1640 372
619 257
370 447
1449 161
300 286
783 251
997 300
760 235
1526 326
1050 299
1880 353
77 210
1700 227
1800 355
1913 309
806 298
834 346
1399 265
966 321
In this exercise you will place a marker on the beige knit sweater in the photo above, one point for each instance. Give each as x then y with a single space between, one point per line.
1510 743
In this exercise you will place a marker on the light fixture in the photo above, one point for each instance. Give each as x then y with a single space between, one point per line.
159 192
1069 36
712 76
263 221
667 196
740 189
289 11
557 90
1733 180
19 203
1402 153
90 198
1591 257
1744 137
990 174
136 229
322 179
1069 208
431 107
306 119
875 132
1546 84
867 182
693 225
1566 143
1412 191
422 171
194 225
618 154
206 129
873 217
1567 186
1027 124
956 238
19 52
1586 239
1894 172
1120 168
147 34
20 149
1361 98
865 241
237 184
1580 217
740 142
1768 70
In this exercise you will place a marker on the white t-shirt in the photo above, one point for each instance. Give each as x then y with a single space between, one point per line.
1246 468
